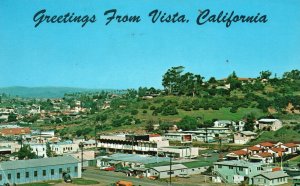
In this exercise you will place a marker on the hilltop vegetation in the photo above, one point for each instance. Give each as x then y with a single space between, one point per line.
43 92
187 100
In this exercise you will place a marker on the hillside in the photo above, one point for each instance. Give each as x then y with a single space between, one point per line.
42 92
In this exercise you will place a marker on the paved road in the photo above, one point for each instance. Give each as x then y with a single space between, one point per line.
106 178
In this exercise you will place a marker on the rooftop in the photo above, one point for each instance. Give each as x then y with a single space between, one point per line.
268 120
238 163
273 175
167 168
22 164
144 159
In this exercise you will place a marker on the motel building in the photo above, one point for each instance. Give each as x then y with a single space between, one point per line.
38 170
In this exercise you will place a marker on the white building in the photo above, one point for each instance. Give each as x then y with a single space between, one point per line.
164 171
244 137
180 151
140 144
181 137
269 124
39 149
61 148
211 134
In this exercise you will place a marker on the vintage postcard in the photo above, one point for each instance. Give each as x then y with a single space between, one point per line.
149 92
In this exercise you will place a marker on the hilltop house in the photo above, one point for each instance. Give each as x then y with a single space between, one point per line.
269 124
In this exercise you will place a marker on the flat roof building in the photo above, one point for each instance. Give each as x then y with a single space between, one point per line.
37 170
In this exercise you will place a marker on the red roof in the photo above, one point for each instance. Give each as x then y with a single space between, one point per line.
266 144
265 154
277 149
240 152
290 145
254 148
154 135
15 131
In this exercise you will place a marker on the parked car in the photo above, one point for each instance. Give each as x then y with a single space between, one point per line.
124 183
110 169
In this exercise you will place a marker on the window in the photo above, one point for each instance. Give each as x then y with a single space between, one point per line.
27 174
172 172
68 169
241 169
9 176
44 172
0 177
60 170
219 166
52 171
76 169
18 175
35 173
230 167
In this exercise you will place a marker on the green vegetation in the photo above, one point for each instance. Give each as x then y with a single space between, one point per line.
285 134
81 181
26 153
46 183
187 100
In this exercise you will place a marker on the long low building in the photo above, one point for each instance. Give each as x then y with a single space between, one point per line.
37 170
139 144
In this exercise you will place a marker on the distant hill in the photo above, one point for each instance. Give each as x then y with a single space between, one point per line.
43 92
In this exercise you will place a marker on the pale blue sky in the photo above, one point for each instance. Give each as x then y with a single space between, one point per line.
132 55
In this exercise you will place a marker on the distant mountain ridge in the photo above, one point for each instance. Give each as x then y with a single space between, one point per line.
43 92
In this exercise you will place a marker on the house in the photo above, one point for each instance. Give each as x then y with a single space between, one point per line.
263 157
237 155
224 123
289 148
270 178
244 137
254 150
165 171
39 149
181 137
277 152
269 124
265 145
37 170
211 134
60 148
235 171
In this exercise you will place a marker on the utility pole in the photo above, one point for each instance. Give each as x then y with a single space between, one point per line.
96 138
81 147
170 170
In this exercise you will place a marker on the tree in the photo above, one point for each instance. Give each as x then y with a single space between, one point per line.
249 121
149 126
188 123
25 152
171 79
294 74
265 74
233 81
12 117
49 152
212 80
